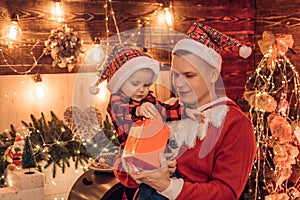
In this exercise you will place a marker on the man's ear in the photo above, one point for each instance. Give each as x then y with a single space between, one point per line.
214 75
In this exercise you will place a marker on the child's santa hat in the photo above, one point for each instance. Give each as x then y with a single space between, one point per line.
207 43
121 64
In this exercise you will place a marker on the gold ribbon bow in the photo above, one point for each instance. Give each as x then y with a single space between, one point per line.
278 45
273 47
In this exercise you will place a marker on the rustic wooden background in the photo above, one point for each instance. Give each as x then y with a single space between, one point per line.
245 20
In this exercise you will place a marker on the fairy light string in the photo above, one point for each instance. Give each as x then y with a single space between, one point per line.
35 60
272 92
115 21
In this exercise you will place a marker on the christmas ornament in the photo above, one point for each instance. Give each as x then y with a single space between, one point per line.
14 152
64 47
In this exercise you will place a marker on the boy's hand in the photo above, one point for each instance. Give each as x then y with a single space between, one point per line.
194 114
147 110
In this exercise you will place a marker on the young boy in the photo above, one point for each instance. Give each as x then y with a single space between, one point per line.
130 73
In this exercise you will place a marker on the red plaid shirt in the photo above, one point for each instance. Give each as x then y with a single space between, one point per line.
121 109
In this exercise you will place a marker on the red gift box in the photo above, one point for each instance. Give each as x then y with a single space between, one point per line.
146 140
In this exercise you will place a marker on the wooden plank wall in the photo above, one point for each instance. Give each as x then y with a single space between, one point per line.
279 17
236 18
245 20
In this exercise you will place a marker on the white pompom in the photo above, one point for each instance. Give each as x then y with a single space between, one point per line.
245 51
94 89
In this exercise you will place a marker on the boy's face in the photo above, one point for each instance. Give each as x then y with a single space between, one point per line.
138 84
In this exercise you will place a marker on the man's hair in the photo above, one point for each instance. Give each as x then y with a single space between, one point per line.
183 53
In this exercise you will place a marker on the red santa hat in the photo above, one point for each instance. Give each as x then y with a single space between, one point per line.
122 63
18 138
207 43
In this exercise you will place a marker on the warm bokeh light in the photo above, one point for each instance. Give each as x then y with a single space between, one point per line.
58 11
168 17
97 53
14 31
39 91
103 92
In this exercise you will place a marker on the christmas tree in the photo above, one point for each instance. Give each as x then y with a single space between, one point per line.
55 143
273 96
28 159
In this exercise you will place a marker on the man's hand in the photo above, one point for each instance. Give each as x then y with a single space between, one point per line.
194 114
130 169
158 179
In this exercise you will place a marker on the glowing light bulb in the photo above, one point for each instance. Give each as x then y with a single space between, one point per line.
168 17
97 53
12 32
39 90
58 11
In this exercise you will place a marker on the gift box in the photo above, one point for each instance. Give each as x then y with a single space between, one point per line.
146 140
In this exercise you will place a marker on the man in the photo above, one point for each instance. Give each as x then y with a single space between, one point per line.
213 159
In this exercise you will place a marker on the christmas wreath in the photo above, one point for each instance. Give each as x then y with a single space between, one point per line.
64 47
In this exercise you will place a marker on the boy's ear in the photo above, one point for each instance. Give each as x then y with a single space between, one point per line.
214 75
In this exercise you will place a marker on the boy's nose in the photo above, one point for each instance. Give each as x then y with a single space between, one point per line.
141 89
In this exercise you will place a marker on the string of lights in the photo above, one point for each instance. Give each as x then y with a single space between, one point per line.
272 92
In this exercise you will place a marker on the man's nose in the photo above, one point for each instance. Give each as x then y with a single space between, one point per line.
180 81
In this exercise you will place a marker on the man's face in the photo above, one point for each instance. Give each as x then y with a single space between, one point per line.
191 83
138 84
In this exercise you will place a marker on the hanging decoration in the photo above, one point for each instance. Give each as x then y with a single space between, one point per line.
65 47
109 13
100 140
273 95
12 32
58 10
85 123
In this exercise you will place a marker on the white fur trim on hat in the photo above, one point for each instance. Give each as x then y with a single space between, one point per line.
131 66
200 50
